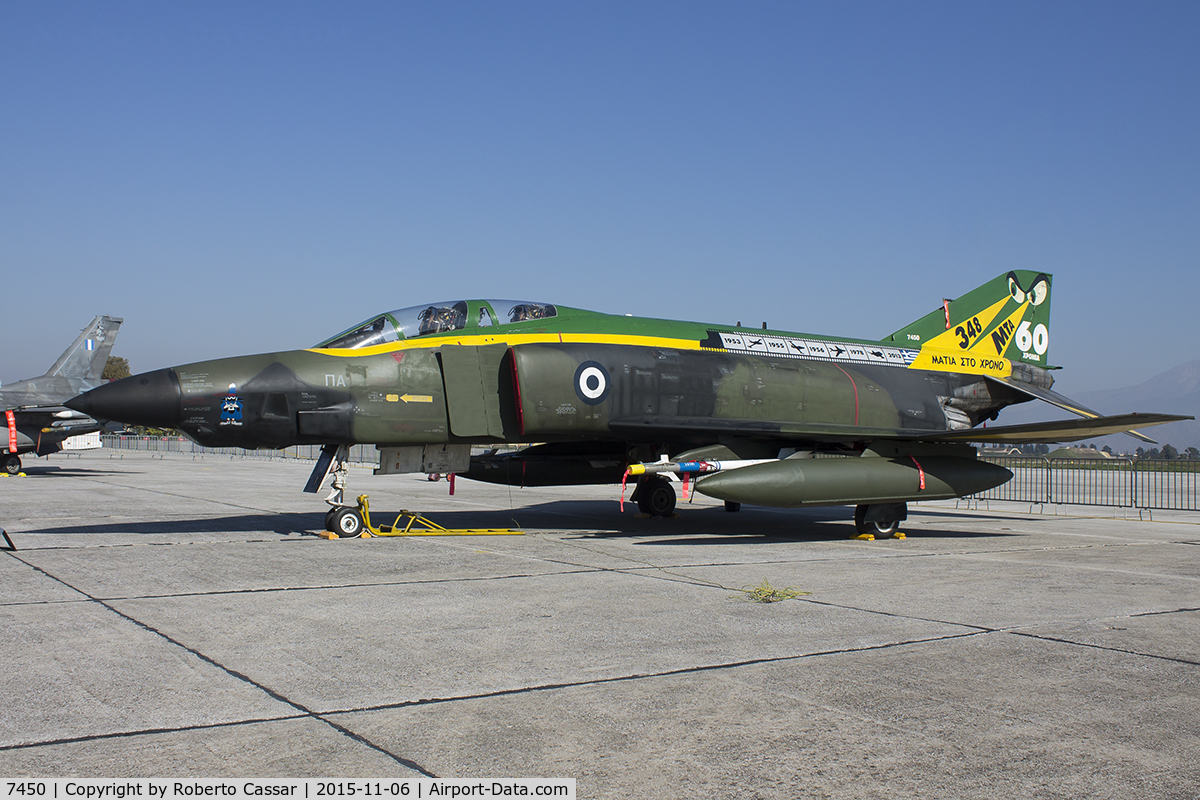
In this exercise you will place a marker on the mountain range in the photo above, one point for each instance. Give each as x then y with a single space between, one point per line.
1176 391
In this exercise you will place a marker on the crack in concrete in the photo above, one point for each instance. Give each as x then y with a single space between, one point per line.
1156 613
638 676
274 695
1107 648
270 589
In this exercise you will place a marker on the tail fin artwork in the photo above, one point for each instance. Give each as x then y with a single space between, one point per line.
1005 321
88 354
1000 330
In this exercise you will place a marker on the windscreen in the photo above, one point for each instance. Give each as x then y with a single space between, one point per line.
408 323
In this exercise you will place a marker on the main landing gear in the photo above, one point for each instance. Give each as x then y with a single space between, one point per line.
880 521
10 463
655 496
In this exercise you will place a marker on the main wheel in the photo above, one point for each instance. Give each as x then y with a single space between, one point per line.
329 520
657 498
347 523
880 529
10 463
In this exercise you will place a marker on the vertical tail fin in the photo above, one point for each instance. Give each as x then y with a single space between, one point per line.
1007 317
88 354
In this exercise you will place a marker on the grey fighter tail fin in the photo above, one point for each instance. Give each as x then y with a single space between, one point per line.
88 354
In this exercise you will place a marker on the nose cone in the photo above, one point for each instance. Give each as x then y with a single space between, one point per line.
152 399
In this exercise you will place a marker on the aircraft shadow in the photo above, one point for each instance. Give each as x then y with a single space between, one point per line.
282 524
585 519
592 519
55 471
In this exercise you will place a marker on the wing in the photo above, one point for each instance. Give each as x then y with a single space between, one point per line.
1036 432
1066 403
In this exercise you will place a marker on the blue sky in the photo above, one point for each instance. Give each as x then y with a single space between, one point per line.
235 178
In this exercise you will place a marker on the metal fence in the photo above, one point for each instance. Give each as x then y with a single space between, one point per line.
359 453
1120 482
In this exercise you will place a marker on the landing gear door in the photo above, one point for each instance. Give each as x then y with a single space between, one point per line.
472 379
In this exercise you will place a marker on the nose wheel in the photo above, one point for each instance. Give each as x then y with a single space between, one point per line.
10 463
347 523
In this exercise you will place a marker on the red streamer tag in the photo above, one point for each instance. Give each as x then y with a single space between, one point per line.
12 430
920 471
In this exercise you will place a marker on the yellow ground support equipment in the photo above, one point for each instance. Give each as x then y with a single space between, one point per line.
410 523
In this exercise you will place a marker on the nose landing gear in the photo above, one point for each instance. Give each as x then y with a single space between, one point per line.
342 518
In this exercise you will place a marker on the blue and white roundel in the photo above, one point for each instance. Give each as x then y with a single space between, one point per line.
591 382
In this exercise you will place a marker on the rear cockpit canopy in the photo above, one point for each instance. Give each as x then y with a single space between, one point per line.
408 323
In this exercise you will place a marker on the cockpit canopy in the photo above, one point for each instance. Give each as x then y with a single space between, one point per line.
408 323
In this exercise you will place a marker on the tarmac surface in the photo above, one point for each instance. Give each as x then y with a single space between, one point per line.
176 616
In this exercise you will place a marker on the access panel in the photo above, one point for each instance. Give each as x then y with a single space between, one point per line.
472 377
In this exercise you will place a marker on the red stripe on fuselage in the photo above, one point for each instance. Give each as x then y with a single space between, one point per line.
517 390
855 385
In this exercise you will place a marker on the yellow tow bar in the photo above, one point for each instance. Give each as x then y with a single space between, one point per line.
410 523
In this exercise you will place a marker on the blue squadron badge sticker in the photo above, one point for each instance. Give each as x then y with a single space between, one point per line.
231 407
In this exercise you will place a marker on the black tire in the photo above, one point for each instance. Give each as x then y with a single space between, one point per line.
881 529
329 520
657 498
731 506
11 463
347 523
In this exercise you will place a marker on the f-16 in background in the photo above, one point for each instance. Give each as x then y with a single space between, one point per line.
35 418
741 412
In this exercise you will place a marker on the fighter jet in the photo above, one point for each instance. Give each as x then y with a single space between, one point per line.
34 414
603 398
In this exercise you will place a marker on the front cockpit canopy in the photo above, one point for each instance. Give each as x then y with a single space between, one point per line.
408 323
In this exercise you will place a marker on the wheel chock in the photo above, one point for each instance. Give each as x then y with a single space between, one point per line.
331 535
863 537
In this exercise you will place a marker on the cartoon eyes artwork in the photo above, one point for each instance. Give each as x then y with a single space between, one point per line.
1037 293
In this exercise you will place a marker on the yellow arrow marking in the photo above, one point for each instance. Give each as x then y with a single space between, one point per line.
416 398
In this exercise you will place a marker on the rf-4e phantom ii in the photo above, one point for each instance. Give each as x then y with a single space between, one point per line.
739 411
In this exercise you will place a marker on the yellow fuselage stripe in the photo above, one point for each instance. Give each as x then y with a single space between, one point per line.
931 357
511 340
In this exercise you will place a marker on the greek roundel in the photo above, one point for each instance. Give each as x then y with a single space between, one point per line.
591 382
